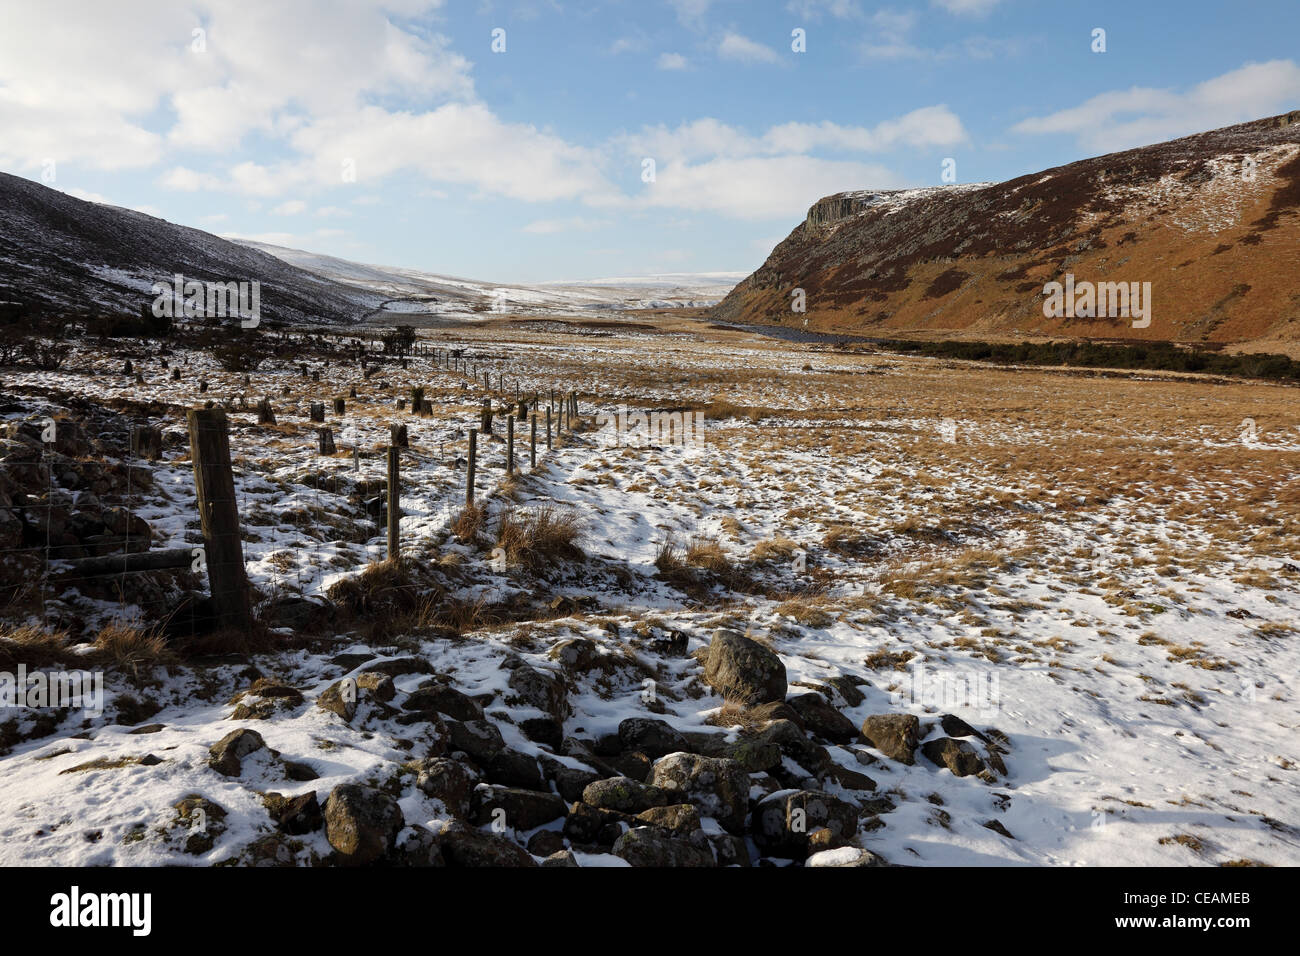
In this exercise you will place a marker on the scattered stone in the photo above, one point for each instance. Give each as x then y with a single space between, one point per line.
744 671
543 730
226 755
417 846
294 815
569 782
681 820
957 755
625 795
468 847
478 738
718 787
562 858
204 820
845 856
399 666
822 719
850 779
523 809
541 689
575 654
648 846
997 827
447 780
654 738
785 822
361 823
894 735
546 843
438 697
515 769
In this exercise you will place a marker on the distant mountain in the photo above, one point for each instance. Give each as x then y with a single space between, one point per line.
1211 221
59 252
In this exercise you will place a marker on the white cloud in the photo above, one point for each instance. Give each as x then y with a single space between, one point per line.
671 61
546 227
736 47
813 9
291 208
690 12
976 8
1142 115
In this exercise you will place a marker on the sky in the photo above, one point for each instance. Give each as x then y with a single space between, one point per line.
532 140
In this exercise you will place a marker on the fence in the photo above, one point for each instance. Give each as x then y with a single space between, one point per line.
46 562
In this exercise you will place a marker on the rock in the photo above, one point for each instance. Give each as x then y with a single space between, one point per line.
794 743
294 815
478 738
562 858
296 613
681 820
822 719
447 780
744 671
785 822
361 823
632 764
417 846
399 666
543 730
654 738
894 735
299 772
586 824
203 818
226 755
997 827
515 769
954 726
148 729
957 755
541 689
648 846
845 856
576 654
753 756
729 850
717 787
465 846
546 843
848 686
625 795
522 809
850 779
569 782
440 698
342 696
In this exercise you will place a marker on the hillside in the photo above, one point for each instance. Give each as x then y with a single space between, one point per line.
60 253
1218 240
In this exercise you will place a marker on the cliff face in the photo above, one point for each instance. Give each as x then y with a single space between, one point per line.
1212 221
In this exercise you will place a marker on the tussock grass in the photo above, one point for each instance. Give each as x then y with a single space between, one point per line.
538 537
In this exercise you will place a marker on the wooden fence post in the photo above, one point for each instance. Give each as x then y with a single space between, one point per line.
469 469
394 503
532 443
326 437
548 427
510 444
214 486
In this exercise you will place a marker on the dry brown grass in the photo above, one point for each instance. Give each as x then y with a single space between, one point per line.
34 647
538 537
468 523
133 647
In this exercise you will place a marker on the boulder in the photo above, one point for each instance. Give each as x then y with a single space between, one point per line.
417 846
654 738
681 820
541 689
788 824
821 718
957 755
439 698
447 780
845 856
717 787
522 809
361 823
894 735
465 846
226 755
649 846
478 738
575 654
294 815
744 671
515 769
624 795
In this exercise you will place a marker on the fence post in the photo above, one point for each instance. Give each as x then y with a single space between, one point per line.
532 444
510 444
394 503
214 486
548 427
469 470
326 436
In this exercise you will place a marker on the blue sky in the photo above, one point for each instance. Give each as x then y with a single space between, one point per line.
390 132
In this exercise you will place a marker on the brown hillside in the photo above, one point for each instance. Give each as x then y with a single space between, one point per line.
1220 247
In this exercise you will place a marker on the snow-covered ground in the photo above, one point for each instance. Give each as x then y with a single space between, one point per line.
1102 572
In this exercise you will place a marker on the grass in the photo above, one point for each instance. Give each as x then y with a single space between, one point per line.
538 538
